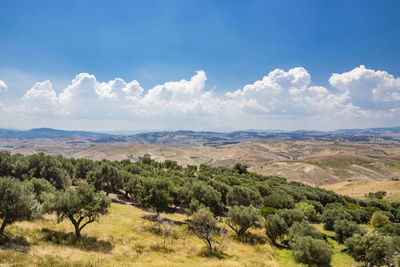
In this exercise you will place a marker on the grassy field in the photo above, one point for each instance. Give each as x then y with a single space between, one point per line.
122 238
358 189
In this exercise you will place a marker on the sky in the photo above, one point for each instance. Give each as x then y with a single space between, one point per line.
199 65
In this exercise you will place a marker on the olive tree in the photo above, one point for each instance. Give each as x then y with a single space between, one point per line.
81 206
345 229
275 226
16 202
241 218
205 225
310 251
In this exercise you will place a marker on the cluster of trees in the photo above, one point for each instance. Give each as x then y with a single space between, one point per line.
77 189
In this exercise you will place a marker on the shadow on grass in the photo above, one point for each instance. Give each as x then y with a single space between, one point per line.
159 218
17 243
251 238
213 253
88 243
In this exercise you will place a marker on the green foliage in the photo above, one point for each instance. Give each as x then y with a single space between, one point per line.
313 252
378 220
303 228
279 200
16 202
372 248
205 226
244 196
332 214
267 211
345 229
81 206
308 210
40 187
240 168
376 195
241 218
275 227
156 194
291 216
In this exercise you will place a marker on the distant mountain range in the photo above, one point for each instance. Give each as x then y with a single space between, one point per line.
47 133
208 137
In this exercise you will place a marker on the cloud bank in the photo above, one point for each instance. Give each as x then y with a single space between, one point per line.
289 97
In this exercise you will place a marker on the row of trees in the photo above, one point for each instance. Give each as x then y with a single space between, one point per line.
77 189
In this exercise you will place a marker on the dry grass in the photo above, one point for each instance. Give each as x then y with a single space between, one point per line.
360 188
121 238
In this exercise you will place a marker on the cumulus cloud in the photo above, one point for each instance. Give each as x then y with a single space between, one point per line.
359 93
369 89
3 86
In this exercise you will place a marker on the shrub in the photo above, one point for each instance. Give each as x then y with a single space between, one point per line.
267 211
303 228
308 210
241 218
331 215
378 220
275 226
291 216
373 248
345 229
313 252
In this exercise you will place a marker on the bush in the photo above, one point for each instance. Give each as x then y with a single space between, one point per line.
345 229
303 228
313 252
291 216
267 211
241 218
330 215
308 210
244 196
275 226
373 248
378 220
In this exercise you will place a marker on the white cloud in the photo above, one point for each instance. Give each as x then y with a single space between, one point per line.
360 94
3 86
369 89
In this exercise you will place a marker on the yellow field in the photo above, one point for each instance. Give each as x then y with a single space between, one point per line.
121 238
359 188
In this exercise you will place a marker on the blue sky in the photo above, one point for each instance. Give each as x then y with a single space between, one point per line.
291 47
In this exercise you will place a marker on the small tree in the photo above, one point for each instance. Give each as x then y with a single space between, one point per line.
308 210
16 202
291 216
345 229
205 224
275 227
155 193
330 215
313 252
303 228
81 206
241 218
378 219
372 248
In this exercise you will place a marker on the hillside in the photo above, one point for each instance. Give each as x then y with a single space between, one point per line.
311 162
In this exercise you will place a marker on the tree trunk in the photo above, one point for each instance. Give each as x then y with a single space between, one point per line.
77 231
3 225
